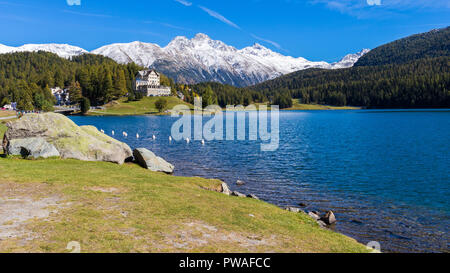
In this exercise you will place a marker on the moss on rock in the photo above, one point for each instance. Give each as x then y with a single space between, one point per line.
83 143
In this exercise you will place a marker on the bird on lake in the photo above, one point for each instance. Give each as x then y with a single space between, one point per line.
154 137
188 140
137 135
125 134
203 142
112 132
170 138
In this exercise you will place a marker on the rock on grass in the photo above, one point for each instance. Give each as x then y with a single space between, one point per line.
70 140
149 160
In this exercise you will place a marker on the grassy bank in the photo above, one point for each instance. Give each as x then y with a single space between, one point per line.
2 130
2 133
111 208
299 106
146 106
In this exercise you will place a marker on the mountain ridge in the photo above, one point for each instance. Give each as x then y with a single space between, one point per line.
411 72
199 59
431 44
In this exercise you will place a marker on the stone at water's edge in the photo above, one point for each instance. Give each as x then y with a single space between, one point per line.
238 194
314 216
71 141
225 189
149 160
292 209
329 218
35 147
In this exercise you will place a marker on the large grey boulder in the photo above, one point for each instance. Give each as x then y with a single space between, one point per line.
329 218
35 147
149 160
225 189
72 141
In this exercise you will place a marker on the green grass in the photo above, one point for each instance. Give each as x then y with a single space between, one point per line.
2 130
142 211
146 106
299 106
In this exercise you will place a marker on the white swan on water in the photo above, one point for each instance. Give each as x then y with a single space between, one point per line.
137 135
170 138
125 134
112 132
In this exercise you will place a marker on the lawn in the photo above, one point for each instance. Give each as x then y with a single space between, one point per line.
111 208
143 107
146 106
2 130
299 106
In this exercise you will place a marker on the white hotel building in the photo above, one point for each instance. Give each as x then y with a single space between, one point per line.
149 83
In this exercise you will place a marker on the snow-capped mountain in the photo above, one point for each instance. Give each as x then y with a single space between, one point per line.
199 59
350 59
202 59
6 49
62 50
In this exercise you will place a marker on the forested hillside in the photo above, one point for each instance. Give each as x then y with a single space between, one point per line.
412 72
435 43
422 83
26 78
223 95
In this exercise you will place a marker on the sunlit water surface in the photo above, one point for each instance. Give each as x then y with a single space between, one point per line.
385 174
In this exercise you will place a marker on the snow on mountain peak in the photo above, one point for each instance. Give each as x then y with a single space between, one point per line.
201 36
6 49
199 59
62 50
350 59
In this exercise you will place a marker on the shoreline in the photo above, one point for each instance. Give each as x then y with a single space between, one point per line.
204 188
131 201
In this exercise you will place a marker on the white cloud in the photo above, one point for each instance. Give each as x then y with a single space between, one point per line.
74 2
219 16
374 8
168 25
87 14
374 2
183 2
275 44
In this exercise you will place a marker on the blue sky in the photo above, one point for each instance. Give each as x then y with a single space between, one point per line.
314 29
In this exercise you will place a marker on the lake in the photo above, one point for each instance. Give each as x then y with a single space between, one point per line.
385 173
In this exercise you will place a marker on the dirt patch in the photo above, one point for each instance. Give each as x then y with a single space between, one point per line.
105 190
20 203
198 234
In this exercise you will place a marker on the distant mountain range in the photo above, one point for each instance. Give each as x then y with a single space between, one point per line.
62 50
199 59
412 72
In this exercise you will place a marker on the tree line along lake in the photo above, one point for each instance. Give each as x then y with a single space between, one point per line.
385 173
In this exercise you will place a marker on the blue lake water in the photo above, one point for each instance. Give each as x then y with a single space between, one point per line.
385 173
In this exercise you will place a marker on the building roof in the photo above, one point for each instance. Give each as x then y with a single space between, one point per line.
145 73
